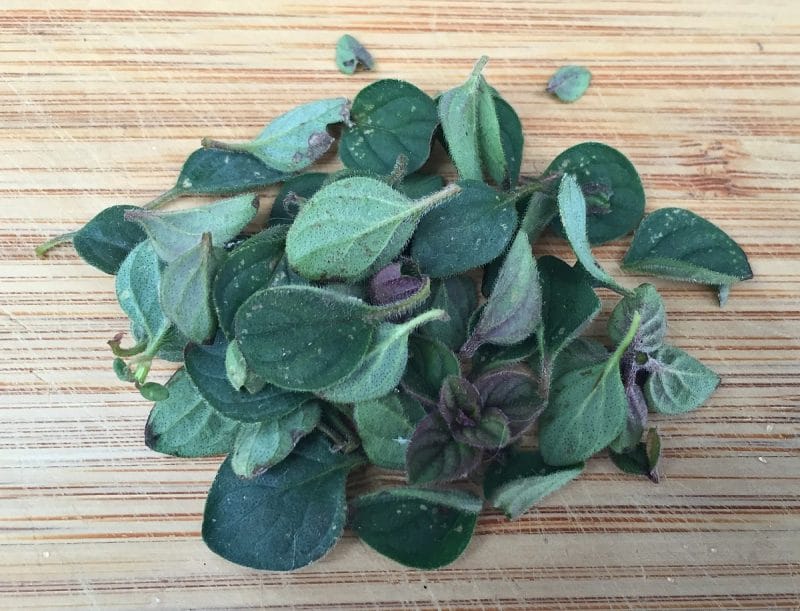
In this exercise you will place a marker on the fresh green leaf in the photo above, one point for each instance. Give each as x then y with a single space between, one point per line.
523 479
579 353
569 304
586 411
490 142
284 518
458 298
350 54
539 211
385 426
304 338
173 233
205 365
185 425
186 290
467 231
260 446
417 527
678 383
458 113
250 267
645 300
382 367
489 358
429 363
295 139
239 374
511 138
569 83
345 228
611 186
678 244
213 171
153 391
292 193
108 238
514 307
389 118
572 209
633 461
420 185
434 456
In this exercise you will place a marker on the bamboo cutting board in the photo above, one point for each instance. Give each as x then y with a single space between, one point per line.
100 105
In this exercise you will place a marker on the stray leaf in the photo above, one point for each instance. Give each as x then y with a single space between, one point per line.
350 54
569 83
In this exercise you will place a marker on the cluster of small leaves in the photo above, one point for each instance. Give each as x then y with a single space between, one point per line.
354 327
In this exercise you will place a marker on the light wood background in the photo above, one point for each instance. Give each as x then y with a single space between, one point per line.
101 101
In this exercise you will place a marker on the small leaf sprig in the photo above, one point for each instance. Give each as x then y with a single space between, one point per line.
349 330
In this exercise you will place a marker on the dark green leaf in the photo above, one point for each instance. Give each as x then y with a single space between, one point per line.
350 54
569 304
353 224
489 358
569 83
185 425
458 298
260 446
304 338
514 307
434 456
572 210
467 231
586 411
523 479
186 290
678 244
285 518
385 426
611 186
390 118
296 189
212 171
295 139
633 461
382 367
645 300
511 138
173 233
579 353
678 383
429 363
205 365
417 527
108 238
419 185
250 267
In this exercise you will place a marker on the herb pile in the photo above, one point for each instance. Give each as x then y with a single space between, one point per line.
354 328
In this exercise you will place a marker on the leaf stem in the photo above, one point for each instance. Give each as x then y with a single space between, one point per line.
53 242
167 196
623 345
426 204
210 143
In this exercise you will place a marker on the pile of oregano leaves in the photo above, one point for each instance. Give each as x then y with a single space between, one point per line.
356 326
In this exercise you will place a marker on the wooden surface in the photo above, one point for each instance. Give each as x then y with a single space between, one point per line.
100 105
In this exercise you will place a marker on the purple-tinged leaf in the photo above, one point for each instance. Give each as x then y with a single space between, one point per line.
516 393
434 456
391 284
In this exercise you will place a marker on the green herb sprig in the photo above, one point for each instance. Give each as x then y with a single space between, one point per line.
349 330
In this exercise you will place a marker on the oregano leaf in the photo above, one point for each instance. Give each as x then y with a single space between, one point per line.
260 446
680 245
345 228
173 233
572 210
385 426
569 83
514 308
390 118
295 139
417 527
466 231
108 238
350 54
678 383
434 456
285 518
429 363
611 186
653 328
458 298
185 425
291 194
522 478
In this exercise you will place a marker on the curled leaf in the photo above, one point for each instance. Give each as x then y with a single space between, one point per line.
350 54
